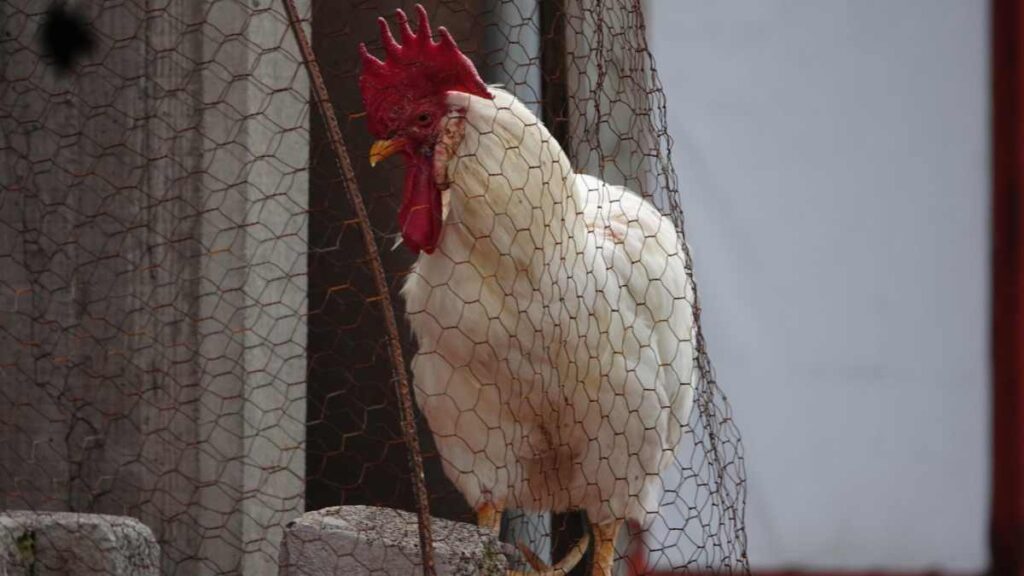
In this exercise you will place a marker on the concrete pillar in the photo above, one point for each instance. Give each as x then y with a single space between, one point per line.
252 287
152 275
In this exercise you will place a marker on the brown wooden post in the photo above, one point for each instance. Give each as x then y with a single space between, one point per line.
1008 288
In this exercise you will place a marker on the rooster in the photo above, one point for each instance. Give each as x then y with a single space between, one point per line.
552 311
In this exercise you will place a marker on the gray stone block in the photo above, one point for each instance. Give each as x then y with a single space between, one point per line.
357 540
67 543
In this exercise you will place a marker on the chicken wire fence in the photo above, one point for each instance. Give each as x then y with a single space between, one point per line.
190 330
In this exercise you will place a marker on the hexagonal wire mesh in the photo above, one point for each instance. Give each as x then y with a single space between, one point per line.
190 333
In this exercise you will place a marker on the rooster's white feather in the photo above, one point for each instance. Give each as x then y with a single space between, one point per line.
556 360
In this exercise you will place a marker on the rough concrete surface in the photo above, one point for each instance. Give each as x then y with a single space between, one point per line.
67 543
356 540
153 282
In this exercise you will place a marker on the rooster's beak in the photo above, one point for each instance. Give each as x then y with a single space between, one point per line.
381 149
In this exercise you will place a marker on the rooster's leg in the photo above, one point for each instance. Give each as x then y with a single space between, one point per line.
489 516
604 547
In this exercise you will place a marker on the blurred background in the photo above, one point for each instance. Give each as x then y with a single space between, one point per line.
835 168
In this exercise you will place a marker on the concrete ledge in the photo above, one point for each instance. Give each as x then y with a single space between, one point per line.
360 540
66 543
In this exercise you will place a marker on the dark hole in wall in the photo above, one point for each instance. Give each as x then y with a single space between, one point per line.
66 36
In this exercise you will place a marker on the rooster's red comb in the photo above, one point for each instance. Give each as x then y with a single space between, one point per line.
417 66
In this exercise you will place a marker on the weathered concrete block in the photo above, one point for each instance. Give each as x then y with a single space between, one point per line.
356 540
67 543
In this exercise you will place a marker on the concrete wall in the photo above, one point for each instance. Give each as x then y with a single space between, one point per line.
152 275
834 167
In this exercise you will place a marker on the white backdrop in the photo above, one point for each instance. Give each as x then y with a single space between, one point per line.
834 162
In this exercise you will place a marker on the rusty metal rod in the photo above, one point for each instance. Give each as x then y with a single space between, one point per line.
394 344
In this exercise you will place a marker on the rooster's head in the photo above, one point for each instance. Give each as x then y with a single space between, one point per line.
405 101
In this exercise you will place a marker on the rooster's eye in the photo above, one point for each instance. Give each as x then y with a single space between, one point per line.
423 118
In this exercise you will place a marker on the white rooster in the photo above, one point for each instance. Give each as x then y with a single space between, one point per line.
553 316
